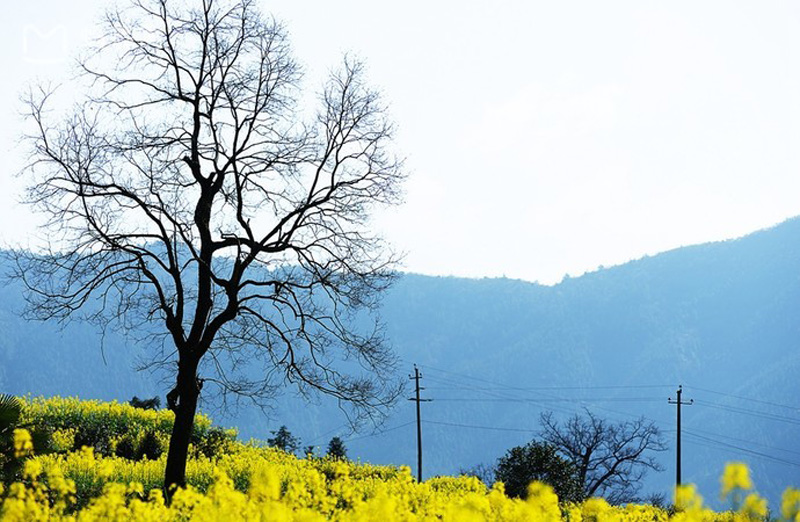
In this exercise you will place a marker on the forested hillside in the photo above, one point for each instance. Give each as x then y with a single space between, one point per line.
722 319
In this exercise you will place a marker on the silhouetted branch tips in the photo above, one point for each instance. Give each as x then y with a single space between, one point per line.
610 458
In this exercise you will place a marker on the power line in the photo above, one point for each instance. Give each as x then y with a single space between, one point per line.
321 437
691 441
748 451
504 396
752 413
409 423
499 392
552 388
796 409
474 426
538 401
736 439
577 399
501 395
501 386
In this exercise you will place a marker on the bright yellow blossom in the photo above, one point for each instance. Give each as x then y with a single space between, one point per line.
23 445
790 504
32 469
754 506
543 502
249 482
735 476
687 498
595 510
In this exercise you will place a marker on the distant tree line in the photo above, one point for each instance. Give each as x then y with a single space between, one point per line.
283 439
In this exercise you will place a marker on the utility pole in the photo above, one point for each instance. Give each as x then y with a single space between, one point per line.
679 402
416 377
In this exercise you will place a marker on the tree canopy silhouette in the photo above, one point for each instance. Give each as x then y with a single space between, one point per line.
610 458
336 449
283 439
191 188
540 461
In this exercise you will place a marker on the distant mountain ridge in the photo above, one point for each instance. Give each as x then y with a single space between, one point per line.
723 319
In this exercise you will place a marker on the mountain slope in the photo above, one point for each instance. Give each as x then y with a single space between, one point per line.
723 319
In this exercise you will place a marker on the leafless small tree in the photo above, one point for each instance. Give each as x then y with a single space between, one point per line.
611 459
190 190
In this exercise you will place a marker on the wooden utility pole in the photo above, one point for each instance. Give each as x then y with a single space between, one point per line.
679 402
416 377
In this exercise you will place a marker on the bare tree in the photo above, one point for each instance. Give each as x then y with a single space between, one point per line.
191 190
611 459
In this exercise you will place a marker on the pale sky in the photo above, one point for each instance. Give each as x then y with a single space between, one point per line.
542 137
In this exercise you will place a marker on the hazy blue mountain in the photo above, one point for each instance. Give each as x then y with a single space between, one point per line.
722 319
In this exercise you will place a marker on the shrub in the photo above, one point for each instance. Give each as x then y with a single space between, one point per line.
149 447
215 442
126 447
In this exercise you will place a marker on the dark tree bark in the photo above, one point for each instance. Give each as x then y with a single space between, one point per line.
196 204
183 402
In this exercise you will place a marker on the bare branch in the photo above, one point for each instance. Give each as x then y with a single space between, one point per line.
611 459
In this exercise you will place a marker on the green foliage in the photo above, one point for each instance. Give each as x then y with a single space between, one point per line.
215 442
150 447
522 465
126 447
100 425
13 431
116 429
336 449
95 435
283 439
10 410
145 404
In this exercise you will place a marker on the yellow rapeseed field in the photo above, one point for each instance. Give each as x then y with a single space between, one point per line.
252 482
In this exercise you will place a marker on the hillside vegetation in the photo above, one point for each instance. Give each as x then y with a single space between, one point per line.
722 319
230 480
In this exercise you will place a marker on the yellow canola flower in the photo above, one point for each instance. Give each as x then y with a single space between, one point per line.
595 510
735 476
543 502
754 506
32 469
790 504
249 482
687 498
23 444
63 439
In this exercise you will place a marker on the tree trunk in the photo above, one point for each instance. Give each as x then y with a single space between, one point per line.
183 401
